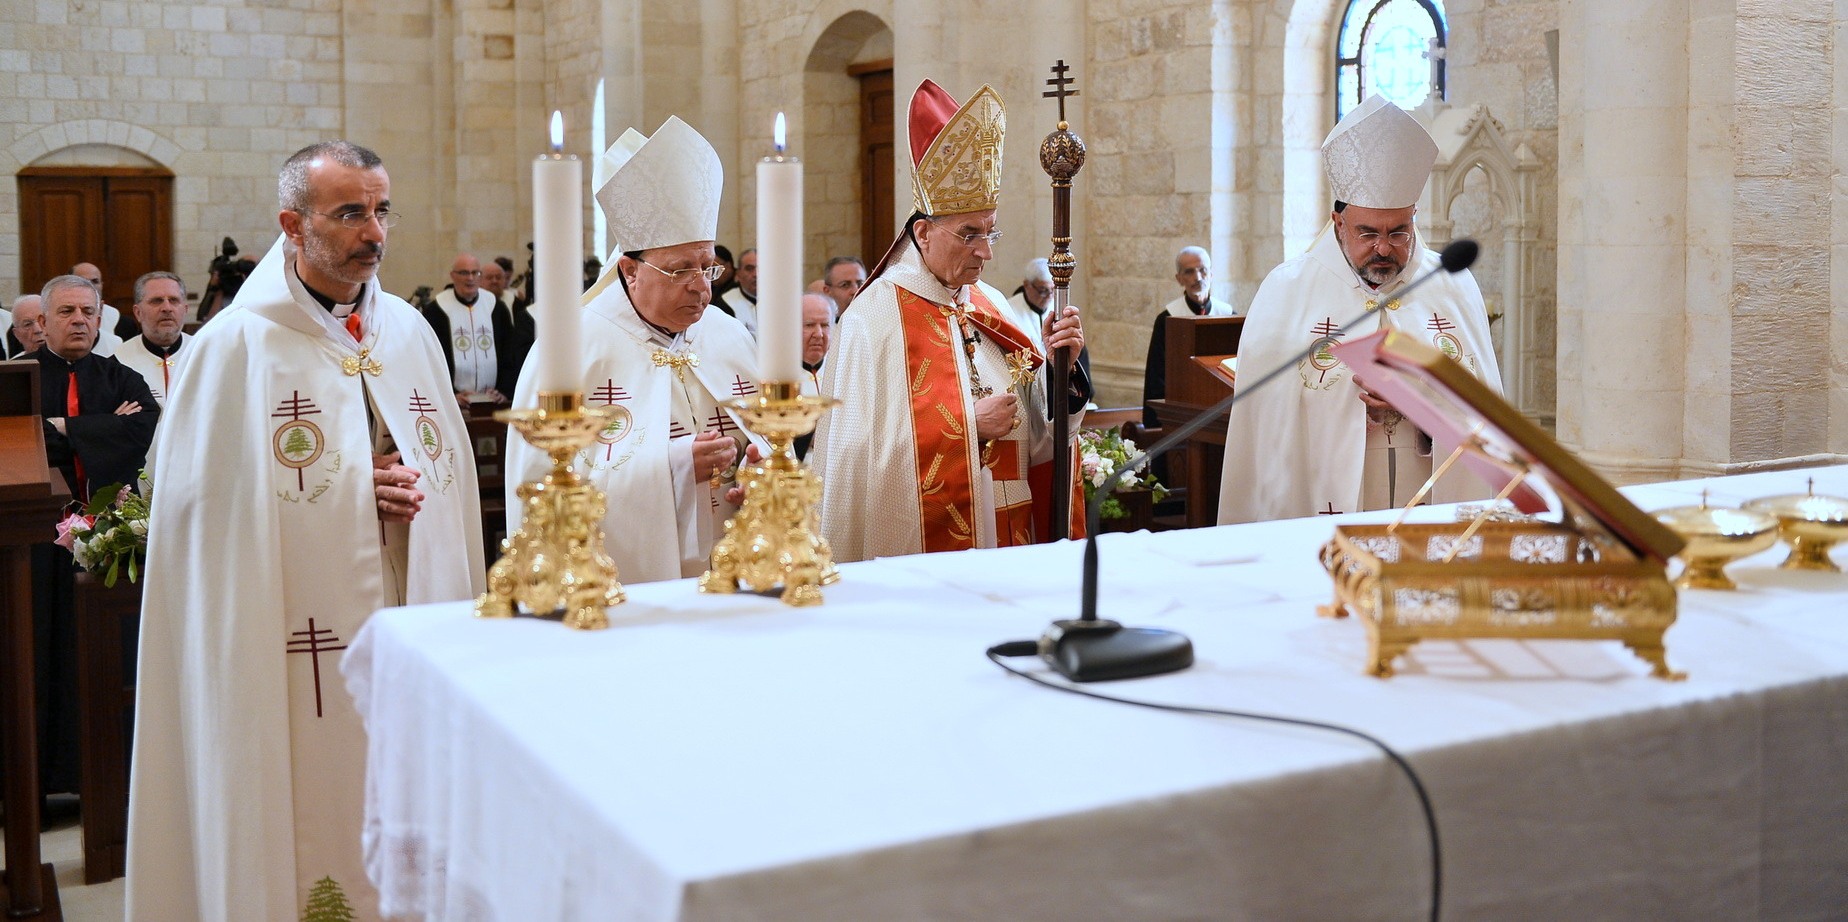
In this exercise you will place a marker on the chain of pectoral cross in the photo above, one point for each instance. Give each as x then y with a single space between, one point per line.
970 335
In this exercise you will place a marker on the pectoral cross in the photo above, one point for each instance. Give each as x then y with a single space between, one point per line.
1060 86
1020 367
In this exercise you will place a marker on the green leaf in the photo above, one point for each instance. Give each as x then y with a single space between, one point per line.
134 566
115 563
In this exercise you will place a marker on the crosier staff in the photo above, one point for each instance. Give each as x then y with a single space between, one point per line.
1061 156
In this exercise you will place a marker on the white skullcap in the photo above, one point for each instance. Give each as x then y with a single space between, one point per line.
1378 156
662 191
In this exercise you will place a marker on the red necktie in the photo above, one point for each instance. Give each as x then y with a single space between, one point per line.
70 412
352 324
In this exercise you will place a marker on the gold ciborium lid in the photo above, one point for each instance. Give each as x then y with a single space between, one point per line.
1717 536
1810 524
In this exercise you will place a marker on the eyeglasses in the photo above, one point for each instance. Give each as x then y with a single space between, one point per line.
972 239
684 276
847 283
357 219
465 273
1396 238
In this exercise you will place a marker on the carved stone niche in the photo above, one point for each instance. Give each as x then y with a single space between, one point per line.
1471 139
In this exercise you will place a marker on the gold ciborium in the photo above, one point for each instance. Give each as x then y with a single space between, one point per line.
775 538
556 559
1716 536
1810 524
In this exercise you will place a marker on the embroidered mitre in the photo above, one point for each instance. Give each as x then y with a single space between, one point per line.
662 191
1378 156
955 151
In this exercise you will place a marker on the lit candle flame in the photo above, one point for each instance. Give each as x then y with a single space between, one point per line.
558 132
780 134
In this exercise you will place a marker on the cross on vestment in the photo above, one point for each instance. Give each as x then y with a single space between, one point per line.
1060 84
1331 510
312 643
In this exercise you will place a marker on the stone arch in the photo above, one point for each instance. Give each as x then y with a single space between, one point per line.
51 138
829 128
48 139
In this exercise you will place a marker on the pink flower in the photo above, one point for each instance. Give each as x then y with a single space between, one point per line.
123 495
71 523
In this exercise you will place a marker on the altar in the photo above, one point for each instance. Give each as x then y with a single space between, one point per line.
727 757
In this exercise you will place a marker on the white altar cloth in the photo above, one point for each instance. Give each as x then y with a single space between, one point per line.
726 757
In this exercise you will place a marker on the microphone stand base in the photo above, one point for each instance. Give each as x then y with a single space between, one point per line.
1101 650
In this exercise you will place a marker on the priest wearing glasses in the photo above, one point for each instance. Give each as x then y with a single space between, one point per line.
943 439
660 360
1315 441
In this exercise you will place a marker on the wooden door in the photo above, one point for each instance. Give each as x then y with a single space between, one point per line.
877 223
120 218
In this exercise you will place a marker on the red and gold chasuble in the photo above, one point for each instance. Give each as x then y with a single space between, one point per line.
948 451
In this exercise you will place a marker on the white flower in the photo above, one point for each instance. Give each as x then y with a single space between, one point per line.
139 527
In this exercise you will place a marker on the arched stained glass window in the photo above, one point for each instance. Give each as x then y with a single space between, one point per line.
1390 47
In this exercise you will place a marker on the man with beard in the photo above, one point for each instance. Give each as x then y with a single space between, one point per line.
321 473
660 360
160 310
1315 441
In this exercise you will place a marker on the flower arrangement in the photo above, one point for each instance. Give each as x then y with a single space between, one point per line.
109 535
1101 452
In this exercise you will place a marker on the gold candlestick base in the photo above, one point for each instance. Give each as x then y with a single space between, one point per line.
556 559
775 538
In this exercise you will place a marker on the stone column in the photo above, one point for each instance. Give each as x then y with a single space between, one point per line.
1625 250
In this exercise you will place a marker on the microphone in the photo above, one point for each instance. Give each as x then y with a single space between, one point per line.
1093 649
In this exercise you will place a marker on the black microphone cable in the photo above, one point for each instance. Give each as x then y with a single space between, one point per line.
997 653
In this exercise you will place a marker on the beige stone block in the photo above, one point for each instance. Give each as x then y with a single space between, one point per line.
1782 61
1632 141
1769 210
1634 209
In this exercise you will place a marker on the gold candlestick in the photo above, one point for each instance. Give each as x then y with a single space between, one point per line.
556 559
775 538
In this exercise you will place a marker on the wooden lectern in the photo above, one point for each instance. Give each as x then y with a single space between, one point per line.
31 496
1196 347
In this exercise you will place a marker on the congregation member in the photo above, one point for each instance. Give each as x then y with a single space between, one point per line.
25 332
741 301
1316 441
322 473
1027 306
160 311
99 415
481 344
817 331
1193 271
661 360
108 338
98 420
943 440
842 278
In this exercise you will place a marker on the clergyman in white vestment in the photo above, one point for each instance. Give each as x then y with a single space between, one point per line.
657 355
943 439
160 310
1314 441
313 469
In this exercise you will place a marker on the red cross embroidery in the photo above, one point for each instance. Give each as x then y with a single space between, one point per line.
1331 510
721 421
315 641
294 408
1439 325
609 393
741 387
420 404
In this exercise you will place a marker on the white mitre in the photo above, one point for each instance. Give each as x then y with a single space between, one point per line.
662 191
1378 156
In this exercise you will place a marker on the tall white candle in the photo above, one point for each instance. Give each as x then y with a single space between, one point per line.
558 264
779 264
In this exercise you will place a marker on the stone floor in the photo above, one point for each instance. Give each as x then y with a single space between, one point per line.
62 846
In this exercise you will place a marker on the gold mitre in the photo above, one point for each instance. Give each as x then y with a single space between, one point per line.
955 150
